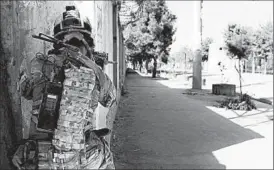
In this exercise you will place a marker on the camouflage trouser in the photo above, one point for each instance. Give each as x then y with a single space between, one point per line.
43 156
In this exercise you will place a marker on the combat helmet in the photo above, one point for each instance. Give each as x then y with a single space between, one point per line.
72 25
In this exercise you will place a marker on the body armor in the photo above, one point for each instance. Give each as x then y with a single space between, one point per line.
64 102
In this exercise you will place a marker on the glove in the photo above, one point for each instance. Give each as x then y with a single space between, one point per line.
24 157
25 84
18 157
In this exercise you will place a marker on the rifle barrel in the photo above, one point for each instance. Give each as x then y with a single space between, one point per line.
45 39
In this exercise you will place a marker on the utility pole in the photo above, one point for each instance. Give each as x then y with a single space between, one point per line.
185 62
197 63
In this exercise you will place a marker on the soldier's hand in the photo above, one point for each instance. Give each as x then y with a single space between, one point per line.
17 157
24 85
16 160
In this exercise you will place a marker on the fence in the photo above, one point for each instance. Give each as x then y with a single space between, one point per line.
259 66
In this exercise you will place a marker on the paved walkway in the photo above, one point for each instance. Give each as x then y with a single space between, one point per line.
159 127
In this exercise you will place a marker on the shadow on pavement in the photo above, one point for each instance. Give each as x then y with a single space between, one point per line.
158 127
249 115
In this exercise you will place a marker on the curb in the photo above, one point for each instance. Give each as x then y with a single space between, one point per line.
262 100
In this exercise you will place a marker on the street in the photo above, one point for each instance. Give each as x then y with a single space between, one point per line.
160 127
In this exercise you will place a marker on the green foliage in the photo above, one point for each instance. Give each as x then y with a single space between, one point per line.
149 34
263 41
205 48
164 58
241 41
182 54
238 41
240 103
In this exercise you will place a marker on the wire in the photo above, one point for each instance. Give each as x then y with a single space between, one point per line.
47 60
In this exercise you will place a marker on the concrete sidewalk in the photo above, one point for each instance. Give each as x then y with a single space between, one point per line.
160 127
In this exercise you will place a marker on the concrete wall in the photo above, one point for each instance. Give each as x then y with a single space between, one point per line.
108 38
21 19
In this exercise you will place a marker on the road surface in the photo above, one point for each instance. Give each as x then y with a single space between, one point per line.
159 127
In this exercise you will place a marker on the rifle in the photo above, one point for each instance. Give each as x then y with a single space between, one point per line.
55 41
100 58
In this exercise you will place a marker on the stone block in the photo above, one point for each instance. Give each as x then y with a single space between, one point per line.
224 89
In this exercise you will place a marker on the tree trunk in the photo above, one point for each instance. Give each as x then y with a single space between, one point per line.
265 66
244 67
146 65
240 78
253 63
7 131
134 65
154 71
141 65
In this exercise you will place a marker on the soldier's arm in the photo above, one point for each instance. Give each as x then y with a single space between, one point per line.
25 80
31 74
107 91
26 87
18 156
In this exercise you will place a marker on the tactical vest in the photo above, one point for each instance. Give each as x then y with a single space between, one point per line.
78 103
64 108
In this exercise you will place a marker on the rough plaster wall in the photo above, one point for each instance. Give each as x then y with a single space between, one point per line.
109 38
100 13
22 19
7 134
117 66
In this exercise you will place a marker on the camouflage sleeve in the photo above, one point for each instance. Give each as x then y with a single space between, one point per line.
24 154
30 74
108 91
25 83
108 162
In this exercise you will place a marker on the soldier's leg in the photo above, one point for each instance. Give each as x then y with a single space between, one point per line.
108 156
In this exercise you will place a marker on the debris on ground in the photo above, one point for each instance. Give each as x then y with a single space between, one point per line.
196 92
124 91
238 103
190 93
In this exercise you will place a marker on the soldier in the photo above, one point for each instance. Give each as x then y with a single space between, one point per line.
65 91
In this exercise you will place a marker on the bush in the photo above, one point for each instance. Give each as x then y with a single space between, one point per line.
239 103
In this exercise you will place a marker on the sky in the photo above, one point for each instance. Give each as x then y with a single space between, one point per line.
216 16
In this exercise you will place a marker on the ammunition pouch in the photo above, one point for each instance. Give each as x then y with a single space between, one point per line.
46 91
43 155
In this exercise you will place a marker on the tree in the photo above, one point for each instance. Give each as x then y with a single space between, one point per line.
149 33
184 56
129 12
263 42
205 48
238 42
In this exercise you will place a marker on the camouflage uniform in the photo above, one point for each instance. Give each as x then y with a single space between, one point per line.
75 142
